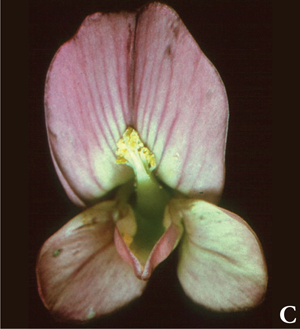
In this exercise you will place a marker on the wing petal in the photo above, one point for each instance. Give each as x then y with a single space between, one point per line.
80 274
221 263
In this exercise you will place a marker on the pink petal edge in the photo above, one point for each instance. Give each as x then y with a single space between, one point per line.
162 249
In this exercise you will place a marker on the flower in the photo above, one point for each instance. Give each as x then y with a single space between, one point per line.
135 110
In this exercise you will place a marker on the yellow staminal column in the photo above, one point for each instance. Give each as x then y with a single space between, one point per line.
150 197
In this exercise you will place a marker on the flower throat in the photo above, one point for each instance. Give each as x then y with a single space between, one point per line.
150 197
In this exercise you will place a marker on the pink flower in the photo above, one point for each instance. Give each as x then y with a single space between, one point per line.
137 122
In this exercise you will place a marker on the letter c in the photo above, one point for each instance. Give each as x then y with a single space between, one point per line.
282 314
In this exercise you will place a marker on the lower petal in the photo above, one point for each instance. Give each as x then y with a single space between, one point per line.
80 274
221 263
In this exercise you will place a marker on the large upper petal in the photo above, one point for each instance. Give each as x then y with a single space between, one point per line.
142 69
180 104
80 274
87 102
221 264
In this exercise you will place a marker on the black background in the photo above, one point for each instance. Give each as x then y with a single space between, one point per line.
236 36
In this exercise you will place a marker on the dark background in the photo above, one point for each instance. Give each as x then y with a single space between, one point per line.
236 37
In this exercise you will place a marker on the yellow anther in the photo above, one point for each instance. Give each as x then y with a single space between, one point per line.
121 161
127 238
132 151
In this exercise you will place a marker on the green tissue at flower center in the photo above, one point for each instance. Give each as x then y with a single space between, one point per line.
148 199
